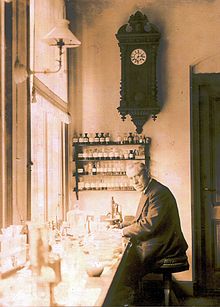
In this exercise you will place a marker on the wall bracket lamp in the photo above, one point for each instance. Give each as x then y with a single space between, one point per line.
60 36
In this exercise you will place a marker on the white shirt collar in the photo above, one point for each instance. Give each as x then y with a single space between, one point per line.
147 186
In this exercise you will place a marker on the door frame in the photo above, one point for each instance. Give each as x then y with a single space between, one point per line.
198 235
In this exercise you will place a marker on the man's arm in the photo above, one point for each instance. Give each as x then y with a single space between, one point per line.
128 222
152 218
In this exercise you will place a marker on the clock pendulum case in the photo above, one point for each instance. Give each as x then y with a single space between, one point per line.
138 41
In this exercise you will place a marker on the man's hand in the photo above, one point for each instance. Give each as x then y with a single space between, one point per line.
115 226
117 231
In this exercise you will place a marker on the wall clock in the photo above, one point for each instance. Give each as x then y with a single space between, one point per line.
138 56
138 41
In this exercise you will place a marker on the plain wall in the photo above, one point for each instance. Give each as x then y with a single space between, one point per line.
189 33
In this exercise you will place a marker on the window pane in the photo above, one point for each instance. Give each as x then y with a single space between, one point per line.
47 146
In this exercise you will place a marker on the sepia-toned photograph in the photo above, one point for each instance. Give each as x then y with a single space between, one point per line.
109 153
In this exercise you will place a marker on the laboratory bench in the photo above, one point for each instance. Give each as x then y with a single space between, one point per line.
65 281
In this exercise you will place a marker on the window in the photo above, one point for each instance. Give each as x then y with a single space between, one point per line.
49 166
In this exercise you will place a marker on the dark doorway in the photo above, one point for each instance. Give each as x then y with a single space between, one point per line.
205 128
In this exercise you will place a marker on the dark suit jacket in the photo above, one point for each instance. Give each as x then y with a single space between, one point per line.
156 228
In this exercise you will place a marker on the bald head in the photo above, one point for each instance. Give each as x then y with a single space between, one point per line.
138 173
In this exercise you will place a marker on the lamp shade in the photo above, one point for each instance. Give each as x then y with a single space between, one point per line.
61 32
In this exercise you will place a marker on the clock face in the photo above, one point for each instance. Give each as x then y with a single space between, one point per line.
138 56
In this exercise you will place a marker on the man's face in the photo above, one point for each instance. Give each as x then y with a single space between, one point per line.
139 179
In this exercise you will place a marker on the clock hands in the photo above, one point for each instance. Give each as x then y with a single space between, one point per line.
138 56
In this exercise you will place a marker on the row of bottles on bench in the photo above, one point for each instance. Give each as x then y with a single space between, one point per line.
112 154
105 138
115 168
108 183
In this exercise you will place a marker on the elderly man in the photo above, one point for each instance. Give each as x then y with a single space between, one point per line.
155 231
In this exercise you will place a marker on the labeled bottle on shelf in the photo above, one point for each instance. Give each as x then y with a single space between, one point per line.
97 139
119 139
105 168
87 185
81 184
85 154
146 140
92 185
99 168
125 138
111 154
109 169
126 154
85 138
74 139
130 138
90 154
105 154
136 138
94 169
81 138
121 154
140 141
80 170
80 155
107 138
102 138
91 139
131 154
89 168
101 154
95 153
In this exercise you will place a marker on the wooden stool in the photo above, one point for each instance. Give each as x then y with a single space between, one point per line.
169 266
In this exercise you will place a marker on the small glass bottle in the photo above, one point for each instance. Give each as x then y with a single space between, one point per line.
111 154
95 154
90 154
116 154
109 170
93 186
100 154
80 155
97 139
100 169
125 139
81 139
97 168
94 170
146 140
141 139
102 138
85 138
105 154
130 138
105 168
107 138
87 185
119 139
136 138
80 170
74 139
91 138
131 154
89 168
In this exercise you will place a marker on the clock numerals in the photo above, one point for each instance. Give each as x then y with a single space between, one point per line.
138 56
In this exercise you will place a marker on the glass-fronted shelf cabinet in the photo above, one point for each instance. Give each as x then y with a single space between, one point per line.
99 167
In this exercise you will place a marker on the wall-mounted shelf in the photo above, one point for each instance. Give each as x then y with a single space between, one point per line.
102 166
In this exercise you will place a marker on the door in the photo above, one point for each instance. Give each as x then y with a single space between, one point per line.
206 180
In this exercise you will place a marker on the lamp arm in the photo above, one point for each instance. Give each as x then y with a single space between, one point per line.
60 45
